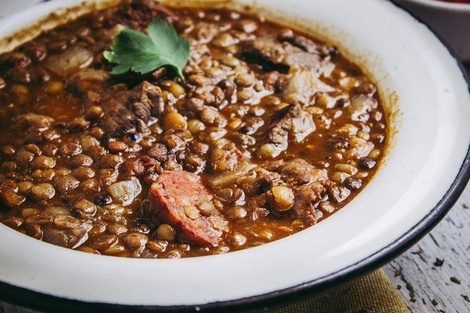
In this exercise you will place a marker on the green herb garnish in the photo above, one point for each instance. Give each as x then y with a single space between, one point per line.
135 51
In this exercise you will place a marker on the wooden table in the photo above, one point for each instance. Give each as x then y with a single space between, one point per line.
434 275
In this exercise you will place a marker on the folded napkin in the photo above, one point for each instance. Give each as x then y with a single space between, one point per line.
373 293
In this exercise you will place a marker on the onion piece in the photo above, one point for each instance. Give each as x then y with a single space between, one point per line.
125 191
227 179
69 61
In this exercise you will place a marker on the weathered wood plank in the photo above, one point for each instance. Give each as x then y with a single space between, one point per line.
434 275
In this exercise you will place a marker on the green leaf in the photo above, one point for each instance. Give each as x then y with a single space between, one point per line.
135 51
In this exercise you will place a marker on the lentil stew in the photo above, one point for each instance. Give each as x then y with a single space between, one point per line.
269 132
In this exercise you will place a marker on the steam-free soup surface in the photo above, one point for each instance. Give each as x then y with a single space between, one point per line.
267 133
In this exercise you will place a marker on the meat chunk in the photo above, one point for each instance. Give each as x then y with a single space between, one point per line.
180 199
224 156
298 56
281 56
308 45
293 123
306 199
309 185
298 171
159 152
258 181
299 41
122 112
302 85
361 106
295 188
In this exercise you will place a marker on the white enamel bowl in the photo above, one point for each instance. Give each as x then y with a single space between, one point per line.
425 170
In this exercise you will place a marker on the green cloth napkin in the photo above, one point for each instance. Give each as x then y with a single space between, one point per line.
373 293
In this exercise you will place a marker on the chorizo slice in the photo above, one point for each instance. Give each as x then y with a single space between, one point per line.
179 199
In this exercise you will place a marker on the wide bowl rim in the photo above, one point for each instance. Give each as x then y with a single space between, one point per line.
40 300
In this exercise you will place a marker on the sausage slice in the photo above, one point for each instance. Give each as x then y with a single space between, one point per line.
179 199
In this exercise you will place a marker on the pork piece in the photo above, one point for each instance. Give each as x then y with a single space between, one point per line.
292 122
302 85
360 108
300 172
122 109
265 179
179 199
306 198
273 54
299 41
307 45
310 186
258 181
224 156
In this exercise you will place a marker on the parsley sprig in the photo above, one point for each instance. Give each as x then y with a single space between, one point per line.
142 53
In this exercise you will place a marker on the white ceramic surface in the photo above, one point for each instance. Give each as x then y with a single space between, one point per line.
8 7
450 20
423 173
